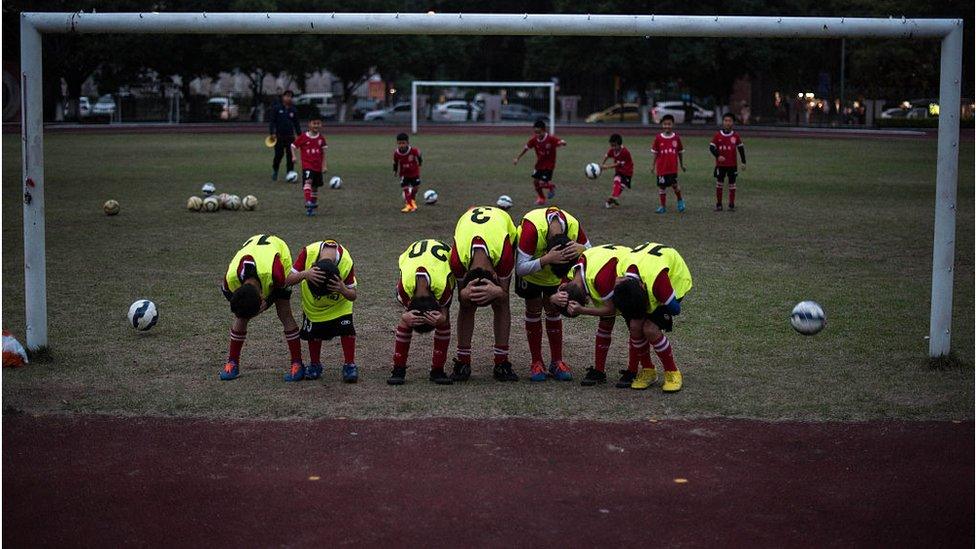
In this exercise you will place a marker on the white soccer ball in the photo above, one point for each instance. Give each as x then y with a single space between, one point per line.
211 204
143 315
250 202
335 182
222 199
111 207
194 203
504 202
233 202
808 318
208 188
593 170
430 197
291 176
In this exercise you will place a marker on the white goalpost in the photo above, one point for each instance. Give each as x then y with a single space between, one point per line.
948 31
414 105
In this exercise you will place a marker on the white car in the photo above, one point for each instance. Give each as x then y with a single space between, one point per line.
223 108
324 102
84 106
105 106
896 112
677 110
397 113
456 111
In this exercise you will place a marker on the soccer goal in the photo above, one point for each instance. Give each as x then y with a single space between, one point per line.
948 31
502 102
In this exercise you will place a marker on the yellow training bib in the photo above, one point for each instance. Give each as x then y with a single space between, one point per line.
597 258
493 225
651 258
539 218
329 306
433 256
263 248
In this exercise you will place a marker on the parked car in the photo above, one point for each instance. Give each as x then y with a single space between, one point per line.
105 106
516 111
896 112
627 112
222 108
364 106
326 104
677 109
84 107
456 111
397 113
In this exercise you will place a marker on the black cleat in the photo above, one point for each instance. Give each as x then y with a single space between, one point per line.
626 377
440 378
731 207
397 376
462 371
718 207
593 377
503 372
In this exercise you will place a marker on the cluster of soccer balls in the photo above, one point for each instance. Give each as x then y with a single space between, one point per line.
213 202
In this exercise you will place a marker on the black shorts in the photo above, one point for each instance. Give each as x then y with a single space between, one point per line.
528 290
542 175
409 182
315 177
662 318
278 293
721 171
624 180
327 330
665 181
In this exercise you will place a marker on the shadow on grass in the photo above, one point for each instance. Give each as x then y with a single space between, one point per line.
40 355
946 362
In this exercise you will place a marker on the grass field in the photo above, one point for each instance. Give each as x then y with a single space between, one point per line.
847 223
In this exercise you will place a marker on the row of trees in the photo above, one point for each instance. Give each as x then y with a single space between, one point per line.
585 66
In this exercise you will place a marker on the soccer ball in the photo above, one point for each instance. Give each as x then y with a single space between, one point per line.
808 318
143 315
233 202
211 204
504 202
592 170
208 188
250 202
430 197
222 199
194 203
335 182
291 177
111 207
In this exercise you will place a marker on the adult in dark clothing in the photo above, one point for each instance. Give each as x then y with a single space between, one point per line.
283 127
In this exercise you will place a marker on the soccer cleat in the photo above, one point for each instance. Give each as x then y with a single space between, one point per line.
503 372
718 207
645 378
560 370
413 205
440 378
611 203
681 206
462 371
398 376
296 372
660 210
592 377
274 175
552 191
672 382
406 208
350 372
537 371
540 201
626 378
230 371
731 207
313 370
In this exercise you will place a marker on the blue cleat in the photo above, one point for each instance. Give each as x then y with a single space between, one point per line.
537 372
660 210
350 373
313 370
274 175
681 206
230 371
296 373
552 191
560 371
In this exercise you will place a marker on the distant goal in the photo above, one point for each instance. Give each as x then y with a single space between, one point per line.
453 101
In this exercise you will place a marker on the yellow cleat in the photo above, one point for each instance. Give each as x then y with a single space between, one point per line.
645 378
406 208
672 382
413 205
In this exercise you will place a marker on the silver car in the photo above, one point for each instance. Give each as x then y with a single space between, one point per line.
397 113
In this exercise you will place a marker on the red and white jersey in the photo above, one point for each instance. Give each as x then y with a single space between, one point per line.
623 164
503 268
605 279
663 291
529 234
408 163
312 150
666 149
545 150
727 145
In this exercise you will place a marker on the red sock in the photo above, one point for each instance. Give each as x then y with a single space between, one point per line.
538 189
348 348
603 335
236 342
645 357
533 331
406 195
308 193
636 348
442 338
617 187
294 345
464 355
554 332
315 197
731 194
663 349
501 354
718 193
315 351
413 192
663 197
677 194
401 346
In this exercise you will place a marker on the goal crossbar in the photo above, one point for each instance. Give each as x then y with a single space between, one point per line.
949 31
481 84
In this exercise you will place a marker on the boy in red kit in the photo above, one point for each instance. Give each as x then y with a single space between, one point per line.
406 163
723 147
312 146
668 156
545 146
623 166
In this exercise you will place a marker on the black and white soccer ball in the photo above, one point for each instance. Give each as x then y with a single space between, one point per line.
430 197
808 317
291 176
504 202
143 315
592 170
335 182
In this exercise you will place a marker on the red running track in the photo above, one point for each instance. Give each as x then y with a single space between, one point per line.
99 481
